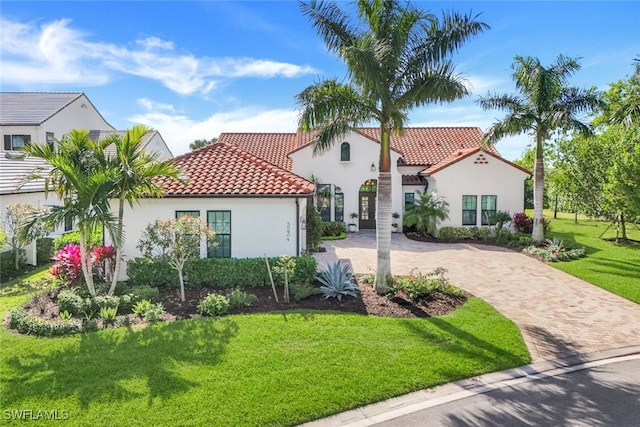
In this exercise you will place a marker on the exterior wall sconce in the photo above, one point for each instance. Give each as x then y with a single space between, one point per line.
373 167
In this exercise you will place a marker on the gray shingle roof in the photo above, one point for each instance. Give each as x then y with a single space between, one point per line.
14 171
32 108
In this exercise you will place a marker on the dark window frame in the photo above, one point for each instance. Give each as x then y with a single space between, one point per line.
468 212
345 152
223 249
338 207
323 191
408 204
9 142
51 140
485 213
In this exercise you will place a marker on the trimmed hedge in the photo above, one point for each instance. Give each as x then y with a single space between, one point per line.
24 323
8 260
218 272
44 250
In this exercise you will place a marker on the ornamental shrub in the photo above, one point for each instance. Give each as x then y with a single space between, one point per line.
24 323
333 228
70 301
68 266
213 305
314 229
239 299
74 237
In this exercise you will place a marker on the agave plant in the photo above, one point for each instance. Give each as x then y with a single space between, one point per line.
337 281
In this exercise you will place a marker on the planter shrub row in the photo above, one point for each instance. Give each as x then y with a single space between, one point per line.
217 272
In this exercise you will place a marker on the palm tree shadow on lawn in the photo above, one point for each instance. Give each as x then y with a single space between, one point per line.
97 367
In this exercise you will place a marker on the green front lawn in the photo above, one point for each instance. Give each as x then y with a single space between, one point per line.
262 369
611 266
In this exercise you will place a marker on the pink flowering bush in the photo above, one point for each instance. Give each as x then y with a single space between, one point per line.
67 267
523 223
103 253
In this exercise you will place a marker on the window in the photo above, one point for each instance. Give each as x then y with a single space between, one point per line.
16 142
409 201
193 214
469 210
220 222
488 204
50 140
68 223
339 205
324 201
345 152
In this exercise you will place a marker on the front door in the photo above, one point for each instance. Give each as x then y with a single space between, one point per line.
367 209
368 203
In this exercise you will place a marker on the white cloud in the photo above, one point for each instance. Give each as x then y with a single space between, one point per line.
52 53
56 53
150 105
179 131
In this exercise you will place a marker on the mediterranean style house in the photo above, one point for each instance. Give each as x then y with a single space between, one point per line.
253 189
27 117
450 161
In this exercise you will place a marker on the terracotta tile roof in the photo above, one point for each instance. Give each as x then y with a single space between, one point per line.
462 153
429 145
419 146
272 147
222 169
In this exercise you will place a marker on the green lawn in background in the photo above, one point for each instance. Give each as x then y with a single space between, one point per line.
263 369
611 266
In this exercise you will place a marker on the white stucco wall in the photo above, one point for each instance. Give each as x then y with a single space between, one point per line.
467 178
258 225
349 176
35 199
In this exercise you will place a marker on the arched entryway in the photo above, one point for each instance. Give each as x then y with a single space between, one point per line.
367 204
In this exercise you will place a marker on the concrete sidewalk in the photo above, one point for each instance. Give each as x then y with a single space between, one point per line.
559 315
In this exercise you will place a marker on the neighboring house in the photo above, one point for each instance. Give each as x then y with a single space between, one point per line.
152 142
254 206
27 117
474 181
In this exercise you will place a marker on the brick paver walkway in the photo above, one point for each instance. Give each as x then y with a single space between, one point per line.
558 314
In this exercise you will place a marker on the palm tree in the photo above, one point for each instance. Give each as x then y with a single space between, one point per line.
398 58
136 173
83 181
426 213
542 105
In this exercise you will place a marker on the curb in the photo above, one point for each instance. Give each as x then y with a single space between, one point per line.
406 404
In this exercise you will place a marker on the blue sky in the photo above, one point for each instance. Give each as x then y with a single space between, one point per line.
195 69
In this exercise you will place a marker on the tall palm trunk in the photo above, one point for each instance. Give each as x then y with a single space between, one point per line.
118 242
383 212
538 191
86 261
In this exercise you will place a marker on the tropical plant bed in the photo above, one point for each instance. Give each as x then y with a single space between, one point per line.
368 302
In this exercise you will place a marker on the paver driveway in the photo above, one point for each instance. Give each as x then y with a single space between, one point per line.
558 314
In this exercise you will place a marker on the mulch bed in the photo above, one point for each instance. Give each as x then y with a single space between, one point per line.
368 303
